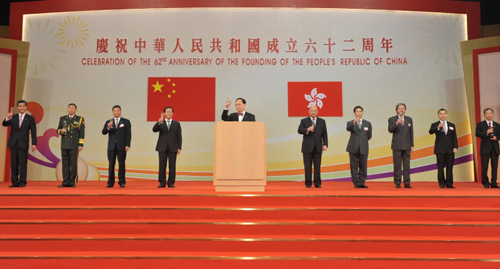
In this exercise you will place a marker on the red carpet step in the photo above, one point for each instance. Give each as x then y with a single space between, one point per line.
288 226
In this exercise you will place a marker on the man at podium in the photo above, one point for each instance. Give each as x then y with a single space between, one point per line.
314 142
240 115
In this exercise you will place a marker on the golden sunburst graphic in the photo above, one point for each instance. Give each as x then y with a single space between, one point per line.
72 32
44 52
437 38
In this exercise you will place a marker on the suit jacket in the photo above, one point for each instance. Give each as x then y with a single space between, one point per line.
445 143
487 145
359 138
168 139
316 139
75 135
402 136
20 135
119 136
234 116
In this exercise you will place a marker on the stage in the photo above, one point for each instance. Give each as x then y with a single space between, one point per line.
288 225
330 188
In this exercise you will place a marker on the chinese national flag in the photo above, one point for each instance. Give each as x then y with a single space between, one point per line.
326 95
192 98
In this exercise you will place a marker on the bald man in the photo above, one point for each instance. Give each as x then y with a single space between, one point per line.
314 142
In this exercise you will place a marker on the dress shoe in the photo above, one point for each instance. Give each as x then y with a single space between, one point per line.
450 187
442 186
62 186
21 186
317 186
398 186
161 186
171 186
494 186
122 185
308 187
13 186
363 186
408 186
109 186
486 186
356 187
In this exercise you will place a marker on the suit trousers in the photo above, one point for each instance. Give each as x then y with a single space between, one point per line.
172 157
447 160
309 158
485 159
397 157
359 167
69 158
18 164
112 156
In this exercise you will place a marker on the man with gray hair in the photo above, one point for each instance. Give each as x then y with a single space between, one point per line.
401 127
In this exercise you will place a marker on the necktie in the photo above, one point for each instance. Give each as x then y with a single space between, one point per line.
116 123
359 124
168 125
403 121
445 127
20 121
240 114
491 124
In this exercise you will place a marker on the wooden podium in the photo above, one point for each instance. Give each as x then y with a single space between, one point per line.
240 156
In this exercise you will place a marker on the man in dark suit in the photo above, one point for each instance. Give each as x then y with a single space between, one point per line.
240 115
21 126
72 130
401 127
314 142
445 147
119 130
489 131
168 146
361 132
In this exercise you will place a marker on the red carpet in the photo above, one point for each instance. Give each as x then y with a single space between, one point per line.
288 225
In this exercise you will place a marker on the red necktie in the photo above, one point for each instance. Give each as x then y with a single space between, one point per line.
491 125
240 114
20 121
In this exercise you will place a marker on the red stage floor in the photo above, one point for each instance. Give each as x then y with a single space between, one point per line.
272 188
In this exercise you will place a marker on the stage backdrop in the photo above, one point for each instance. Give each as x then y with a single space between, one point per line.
279 60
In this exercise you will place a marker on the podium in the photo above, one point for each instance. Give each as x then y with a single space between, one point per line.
240 156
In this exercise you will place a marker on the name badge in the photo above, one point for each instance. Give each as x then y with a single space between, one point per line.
451 128
366 128
409 124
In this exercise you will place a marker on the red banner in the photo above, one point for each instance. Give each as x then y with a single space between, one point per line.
192 98
326 95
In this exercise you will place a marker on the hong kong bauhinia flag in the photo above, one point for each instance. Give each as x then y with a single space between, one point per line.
192 98
326 95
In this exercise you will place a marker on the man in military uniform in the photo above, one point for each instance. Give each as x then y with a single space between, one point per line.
72 130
